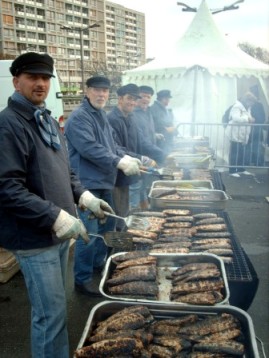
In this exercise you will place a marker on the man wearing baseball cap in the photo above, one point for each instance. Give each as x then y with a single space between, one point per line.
96 158
38 193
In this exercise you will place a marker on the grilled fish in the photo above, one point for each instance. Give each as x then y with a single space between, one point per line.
163 250
196 275
193 267
200 298
210 247
222 336
177 224
136 288
213 240
160 352
179 218
170 327
143 240
204 216
171 244
119 347
229 347
130 256
207 221
175 344
142 233
210 325
166 239
197 286
143 273
143 310
141 334
176 212
210 234
147 260
211 227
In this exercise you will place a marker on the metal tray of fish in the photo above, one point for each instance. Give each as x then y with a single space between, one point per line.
166 264
105 309
186 160
183 184
214 199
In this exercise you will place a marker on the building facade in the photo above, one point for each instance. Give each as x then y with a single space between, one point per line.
83 36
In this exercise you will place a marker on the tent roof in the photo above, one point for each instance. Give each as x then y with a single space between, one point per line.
205 46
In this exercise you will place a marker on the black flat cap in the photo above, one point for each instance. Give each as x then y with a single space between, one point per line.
98 82
146 89
131 89
164 94
32 62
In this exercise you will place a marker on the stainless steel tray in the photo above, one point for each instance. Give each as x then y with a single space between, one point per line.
186 160
183 184
214 199
105 309
166 263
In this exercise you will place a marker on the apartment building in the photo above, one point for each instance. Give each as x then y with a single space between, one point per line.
83 36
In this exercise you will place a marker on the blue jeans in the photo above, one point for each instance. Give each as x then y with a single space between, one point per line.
134 195
45 275
92 254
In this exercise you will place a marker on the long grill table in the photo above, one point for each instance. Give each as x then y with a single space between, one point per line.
241 275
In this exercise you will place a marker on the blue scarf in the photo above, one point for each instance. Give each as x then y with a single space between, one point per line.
43 119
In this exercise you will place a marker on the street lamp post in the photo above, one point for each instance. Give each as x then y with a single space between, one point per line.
81 30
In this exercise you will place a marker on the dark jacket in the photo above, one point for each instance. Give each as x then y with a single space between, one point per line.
132 139
35 182
163 118
144 120
93 153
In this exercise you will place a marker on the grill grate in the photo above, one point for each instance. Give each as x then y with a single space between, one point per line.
238 269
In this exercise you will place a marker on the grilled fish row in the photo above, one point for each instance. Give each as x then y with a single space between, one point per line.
189 335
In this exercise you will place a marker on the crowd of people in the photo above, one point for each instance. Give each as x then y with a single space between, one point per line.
55 187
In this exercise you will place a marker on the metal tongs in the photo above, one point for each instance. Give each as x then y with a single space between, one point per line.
131 221
162 173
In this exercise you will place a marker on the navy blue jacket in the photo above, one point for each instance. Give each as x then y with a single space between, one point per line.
144 120
131 138
35 182
93 152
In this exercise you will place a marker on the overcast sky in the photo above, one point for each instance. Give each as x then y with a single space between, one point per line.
166 22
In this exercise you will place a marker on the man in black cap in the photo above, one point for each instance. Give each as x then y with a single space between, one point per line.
37 193
163 120
96 158
129 136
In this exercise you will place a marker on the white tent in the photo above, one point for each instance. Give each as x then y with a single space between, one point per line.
204 72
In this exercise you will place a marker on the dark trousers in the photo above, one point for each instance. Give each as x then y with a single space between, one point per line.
237 157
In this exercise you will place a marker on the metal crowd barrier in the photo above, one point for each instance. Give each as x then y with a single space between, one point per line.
255 154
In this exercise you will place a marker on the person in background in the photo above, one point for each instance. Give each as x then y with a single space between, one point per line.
38 192
164 120
96 158
133 141
239 134
256 135
138 192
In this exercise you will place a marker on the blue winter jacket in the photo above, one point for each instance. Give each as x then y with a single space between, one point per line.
132 139
93 153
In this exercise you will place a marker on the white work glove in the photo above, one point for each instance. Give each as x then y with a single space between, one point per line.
129 165
88 201
159 136
68 227
148 162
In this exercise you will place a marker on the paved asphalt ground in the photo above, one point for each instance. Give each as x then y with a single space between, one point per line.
249 214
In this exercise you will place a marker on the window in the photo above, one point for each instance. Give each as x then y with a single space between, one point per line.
8 20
